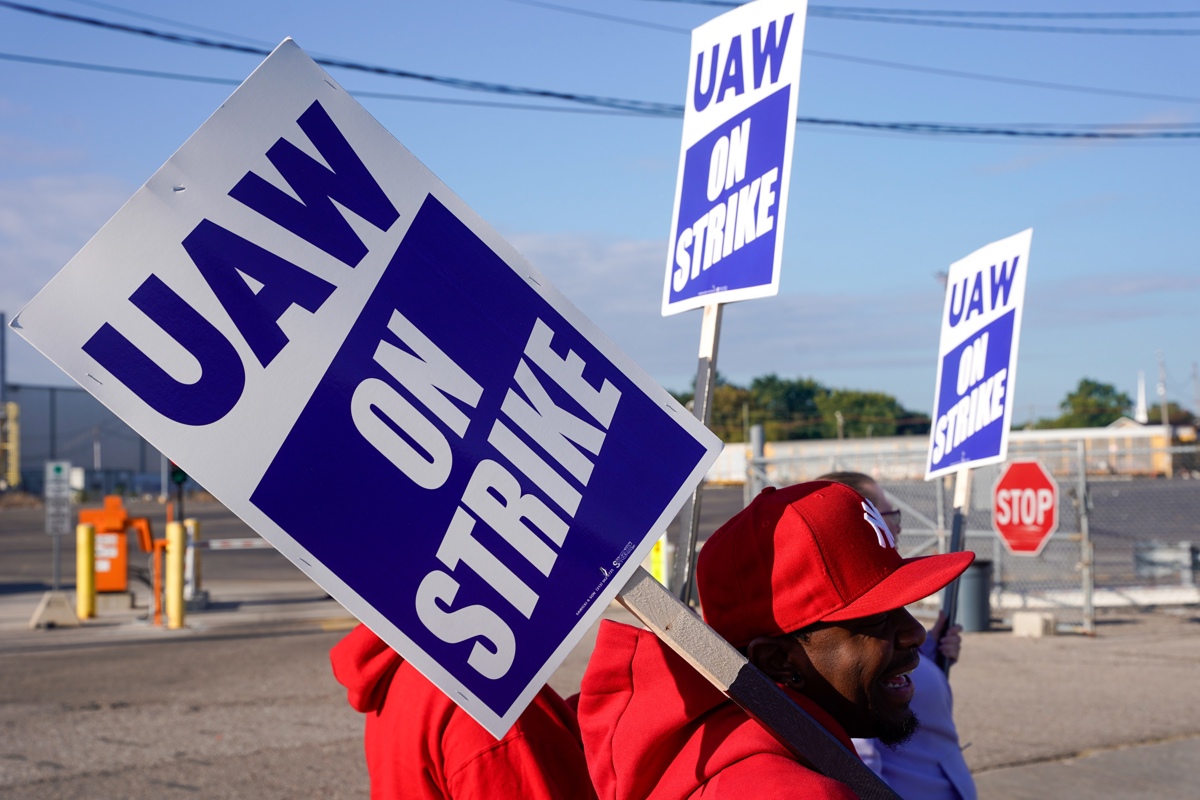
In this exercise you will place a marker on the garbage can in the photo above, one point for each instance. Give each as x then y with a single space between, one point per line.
974 597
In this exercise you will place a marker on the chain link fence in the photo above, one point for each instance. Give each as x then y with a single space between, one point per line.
66 423
1124 536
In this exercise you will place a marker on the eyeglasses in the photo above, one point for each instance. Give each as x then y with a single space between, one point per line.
892 518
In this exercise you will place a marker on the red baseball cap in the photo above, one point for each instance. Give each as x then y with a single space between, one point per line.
813 552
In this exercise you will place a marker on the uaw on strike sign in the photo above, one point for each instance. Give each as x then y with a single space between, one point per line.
314 327
977 356
736 160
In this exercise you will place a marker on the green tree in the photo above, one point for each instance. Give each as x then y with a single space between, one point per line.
1090 405
803 408
787 407
731 405
863 413
913 423
1177 414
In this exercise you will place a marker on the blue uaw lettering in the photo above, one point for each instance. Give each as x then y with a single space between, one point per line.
973 301
766 54
313 217
524 520
223 258
981 401
222 375
220 255
729 225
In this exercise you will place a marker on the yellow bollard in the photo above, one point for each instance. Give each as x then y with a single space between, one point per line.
658 560
176 544
85 571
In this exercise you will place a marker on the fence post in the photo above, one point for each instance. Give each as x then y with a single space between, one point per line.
997 566
1085 544
174 588
191 562
85 571
754 479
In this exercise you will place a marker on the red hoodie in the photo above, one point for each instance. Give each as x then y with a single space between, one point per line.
420 745
655 729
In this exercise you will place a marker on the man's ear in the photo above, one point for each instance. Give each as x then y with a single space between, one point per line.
781 658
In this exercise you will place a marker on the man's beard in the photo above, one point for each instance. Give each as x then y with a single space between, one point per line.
894 733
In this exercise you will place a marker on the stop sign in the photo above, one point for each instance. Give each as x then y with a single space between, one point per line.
1025 507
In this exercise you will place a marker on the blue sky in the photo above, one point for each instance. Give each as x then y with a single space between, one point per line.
1114 273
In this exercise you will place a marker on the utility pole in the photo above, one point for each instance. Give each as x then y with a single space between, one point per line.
1195 393
53 424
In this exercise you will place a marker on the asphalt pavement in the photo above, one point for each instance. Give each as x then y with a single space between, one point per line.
241 703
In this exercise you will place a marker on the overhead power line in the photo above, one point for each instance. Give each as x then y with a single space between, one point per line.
1098 132
582 12
818 10
929 12
954 19
637 107
979 76
416 98
178 24
811 53
1028 130
142 73
999 26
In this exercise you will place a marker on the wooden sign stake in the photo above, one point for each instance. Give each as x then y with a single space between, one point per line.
962 507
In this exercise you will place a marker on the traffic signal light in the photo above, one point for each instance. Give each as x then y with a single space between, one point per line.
178 476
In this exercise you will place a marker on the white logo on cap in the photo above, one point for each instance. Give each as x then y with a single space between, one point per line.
871 514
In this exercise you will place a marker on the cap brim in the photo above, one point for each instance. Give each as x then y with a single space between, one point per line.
914 579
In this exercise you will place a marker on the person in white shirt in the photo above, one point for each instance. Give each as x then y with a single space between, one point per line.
930 766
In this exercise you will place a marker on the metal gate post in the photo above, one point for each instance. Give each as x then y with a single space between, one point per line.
997 566
755 470
1086 572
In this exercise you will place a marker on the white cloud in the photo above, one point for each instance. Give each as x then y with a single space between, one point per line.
1055 149
9 107
26 153
618 285
44 221
842 338
859 337
1124 285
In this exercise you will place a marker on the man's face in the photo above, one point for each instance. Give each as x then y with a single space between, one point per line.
859 671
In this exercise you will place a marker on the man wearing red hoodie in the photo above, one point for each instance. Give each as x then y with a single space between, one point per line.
421 746
807 582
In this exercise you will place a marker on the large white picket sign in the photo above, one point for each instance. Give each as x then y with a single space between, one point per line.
736 161
977 357
309 322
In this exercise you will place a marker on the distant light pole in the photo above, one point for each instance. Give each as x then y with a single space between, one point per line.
1162 389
